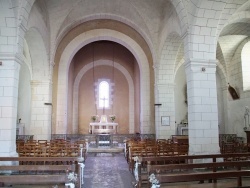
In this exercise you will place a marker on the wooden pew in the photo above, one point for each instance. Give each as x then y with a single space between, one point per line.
52 148
153 148
188 172
45 170
144 162
180 139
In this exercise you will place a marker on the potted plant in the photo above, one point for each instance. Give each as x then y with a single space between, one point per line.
94 118
112 118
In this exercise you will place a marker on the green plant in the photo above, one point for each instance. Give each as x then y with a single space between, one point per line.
112 117
94 117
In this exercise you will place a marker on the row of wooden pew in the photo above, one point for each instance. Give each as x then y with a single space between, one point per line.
163 161
234 147
41 170
52 148
152 148
163 170
45 162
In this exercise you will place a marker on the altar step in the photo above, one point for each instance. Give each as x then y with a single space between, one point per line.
107 144
106 149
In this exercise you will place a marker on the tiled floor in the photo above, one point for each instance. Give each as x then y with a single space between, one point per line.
102 170
107 171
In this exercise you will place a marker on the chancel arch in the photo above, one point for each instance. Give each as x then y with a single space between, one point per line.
95 35
76 91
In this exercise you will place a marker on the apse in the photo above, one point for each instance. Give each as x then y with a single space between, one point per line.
94 64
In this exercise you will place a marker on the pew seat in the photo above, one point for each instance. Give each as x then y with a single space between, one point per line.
145 163
38 170
200 172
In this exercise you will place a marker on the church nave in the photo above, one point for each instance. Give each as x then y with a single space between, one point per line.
106 171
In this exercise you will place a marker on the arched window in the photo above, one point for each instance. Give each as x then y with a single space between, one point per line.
103 94
245 60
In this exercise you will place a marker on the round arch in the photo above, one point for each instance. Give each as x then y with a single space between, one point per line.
103 16
76 89
38 54
23 17
245 65
95 35
183 17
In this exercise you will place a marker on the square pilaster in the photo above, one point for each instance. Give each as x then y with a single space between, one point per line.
9 76
41 110
202 107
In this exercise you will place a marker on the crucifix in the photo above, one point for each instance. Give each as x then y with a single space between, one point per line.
103 109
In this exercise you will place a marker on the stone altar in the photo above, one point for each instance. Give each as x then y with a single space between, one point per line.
102 128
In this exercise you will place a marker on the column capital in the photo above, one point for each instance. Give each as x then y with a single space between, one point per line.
12 57
201 65
169 85
39 82
201 62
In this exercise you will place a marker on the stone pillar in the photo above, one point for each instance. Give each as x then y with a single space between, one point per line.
60 126
145 116
202 107
157 111
9 76
164 100
225 105
167 109
41 110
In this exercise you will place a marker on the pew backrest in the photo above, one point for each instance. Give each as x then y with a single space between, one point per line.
49 170
183 159
200 171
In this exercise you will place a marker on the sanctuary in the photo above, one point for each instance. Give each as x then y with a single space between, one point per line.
103 126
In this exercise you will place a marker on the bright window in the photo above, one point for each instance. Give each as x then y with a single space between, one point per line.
103 97
245 59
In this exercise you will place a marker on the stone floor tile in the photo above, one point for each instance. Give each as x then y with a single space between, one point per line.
107 171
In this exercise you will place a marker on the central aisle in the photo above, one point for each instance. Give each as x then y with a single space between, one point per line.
107 171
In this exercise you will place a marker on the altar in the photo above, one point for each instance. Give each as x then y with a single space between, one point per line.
101 128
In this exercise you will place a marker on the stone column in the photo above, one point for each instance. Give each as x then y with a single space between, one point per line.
157 111
225 108
9 76
41 110
164 100
202 107
167 109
